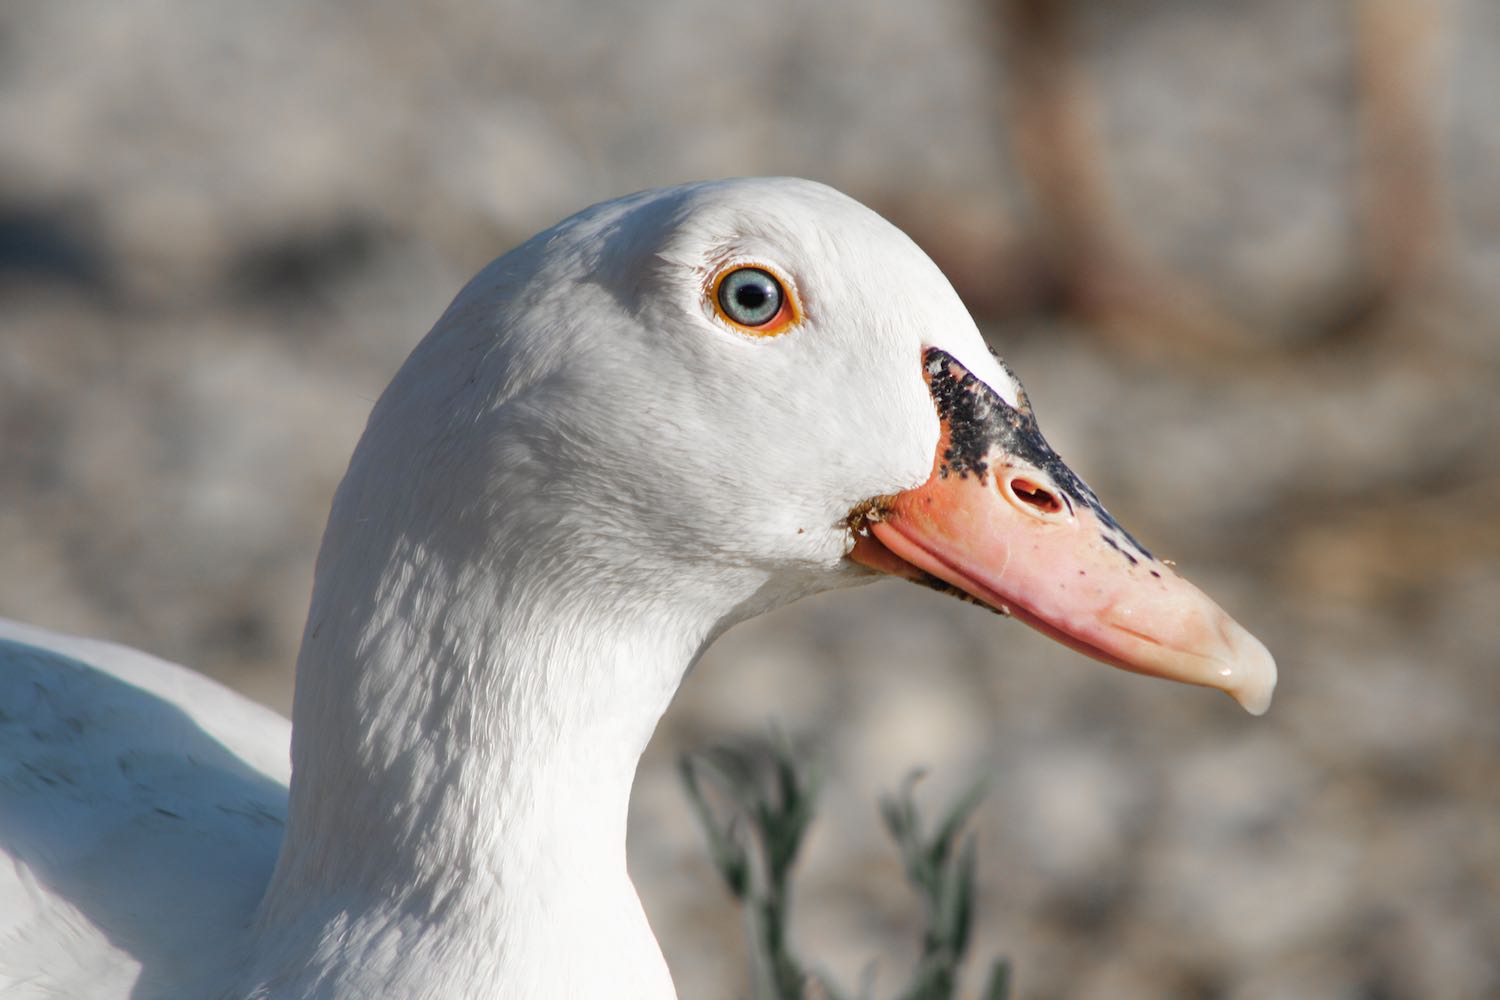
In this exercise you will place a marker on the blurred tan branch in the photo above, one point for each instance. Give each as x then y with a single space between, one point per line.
1132 301
1400 54
1075 253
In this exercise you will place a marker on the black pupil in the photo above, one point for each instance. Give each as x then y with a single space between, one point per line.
751 297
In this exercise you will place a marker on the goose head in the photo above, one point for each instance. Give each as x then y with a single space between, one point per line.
763 388
660 417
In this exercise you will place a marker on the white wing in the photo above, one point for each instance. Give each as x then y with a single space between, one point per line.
141 807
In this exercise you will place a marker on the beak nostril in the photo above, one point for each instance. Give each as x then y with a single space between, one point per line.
1036 496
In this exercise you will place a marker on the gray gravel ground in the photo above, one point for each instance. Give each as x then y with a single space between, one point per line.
222 225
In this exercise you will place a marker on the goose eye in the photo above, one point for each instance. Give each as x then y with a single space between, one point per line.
750 297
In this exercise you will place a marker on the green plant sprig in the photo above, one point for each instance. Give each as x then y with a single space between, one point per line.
766 794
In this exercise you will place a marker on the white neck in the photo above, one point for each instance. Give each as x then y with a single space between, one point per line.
462 765
474 691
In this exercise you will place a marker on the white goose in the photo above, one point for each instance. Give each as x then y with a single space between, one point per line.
665 415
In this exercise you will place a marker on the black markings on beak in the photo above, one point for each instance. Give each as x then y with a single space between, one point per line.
982 426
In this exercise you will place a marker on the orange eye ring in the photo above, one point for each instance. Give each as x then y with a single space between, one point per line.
755 300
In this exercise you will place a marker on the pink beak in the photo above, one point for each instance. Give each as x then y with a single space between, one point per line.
1005 522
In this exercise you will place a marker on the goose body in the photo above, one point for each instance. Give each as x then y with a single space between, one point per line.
667 414
141 809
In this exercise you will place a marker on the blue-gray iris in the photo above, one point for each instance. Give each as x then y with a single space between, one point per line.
750 296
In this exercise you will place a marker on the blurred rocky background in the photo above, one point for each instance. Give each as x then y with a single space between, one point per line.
1245 254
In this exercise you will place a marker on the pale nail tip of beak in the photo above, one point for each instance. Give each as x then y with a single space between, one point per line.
1256 703
1255 682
